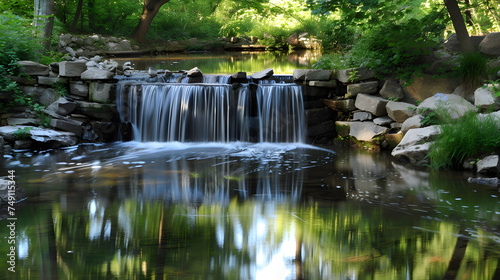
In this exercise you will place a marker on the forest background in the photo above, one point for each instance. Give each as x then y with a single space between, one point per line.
385 35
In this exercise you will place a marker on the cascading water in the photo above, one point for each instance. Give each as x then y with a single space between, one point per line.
212 112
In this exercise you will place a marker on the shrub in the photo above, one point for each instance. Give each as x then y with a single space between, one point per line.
23 133
473 70
466 137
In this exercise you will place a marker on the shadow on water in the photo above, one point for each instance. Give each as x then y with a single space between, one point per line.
246 211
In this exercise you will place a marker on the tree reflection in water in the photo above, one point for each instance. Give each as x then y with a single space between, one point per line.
242 211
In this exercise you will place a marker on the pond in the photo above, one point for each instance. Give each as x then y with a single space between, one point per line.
228 62
130 210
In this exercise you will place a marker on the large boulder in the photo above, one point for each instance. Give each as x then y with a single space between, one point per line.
343 105
94 73
400 111
43 136
426 86
372 104
452 45
71 68
312 75
451 104
354 75
264 74
33 68
367 87
490 45
392 89
365 131
485 98
415 145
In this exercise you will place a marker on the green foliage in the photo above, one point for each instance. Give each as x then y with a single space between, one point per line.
469 136
495 87
61 88
23 133
431 117
50 57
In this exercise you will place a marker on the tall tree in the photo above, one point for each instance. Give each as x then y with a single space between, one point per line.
77 15
44 19
459 25
149 11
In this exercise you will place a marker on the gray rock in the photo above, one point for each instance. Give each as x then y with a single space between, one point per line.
489 164
239 76
365 131
367 87
383 121
392 89
64 40
412 122
362 116
264 74
484 181
323 84
22 121
62 106
67 125
411 147
372 104
490 45
79 88
312 75
51 137
120 46
96 74
451 44
71 68
100 92
453 105
43 80
354 75
427 86
400 111
315 116
95 110
485 98
48 97
70 51
195 72
33 68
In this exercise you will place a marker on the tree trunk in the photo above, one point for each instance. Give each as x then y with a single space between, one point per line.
459 25
44 17
77 15
151 8
92 15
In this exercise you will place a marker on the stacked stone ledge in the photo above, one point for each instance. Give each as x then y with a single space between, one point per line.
76 117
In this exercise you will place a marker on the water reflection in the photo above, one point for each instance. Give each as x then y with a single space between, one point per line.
228 62
247 211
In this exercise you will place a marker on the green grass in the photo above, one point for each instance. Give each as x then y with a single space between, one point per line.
469 136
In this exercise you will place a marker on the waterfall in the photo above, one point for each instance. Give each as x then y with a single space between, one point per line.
212 112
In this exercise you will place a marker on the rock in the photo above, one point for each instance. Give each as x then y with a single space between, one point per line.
365 131
79 88
484 181
43 80
426 86
312 75
315 116
71 68
48 97
490 45
383 121
62 106
120 46
196 72
70 51
109 65
31 68
345 105
367 87
239 76
100 92
64 40
323 84
400 111
372 104
485 98
95 110
392 90
48 137
22 121
67 125
362 116
453 105
412 122
489 164
410 147
452 45
354 75
393 138
96 74
264 74
343 128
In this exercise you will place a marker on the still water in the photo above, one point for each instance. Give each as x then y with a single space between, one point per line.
228 62
245 211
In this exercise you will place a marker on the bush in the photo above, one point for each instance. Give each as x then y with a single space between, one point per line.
473 70
469 136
